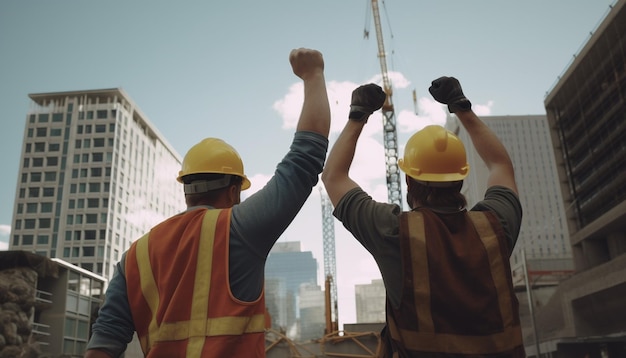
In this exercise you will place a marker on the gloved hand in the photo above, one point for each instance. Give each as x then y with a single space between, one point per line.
447 90
365 100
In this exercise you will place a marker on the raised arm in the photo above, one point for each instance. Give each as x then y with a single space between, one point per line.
365 100
309 66
447 90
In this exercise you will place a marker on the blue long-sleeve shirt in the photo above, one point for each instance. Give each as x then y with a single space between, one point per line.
256 224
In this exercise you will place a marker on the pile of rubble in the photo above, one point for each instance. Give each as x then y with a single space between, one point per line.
17 301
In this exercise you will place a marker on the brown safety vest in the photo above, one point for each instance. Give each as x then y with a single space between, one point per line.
179 292
457 296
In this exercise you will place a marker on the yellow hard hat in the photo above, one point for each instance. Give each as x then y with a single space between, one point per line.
213 156
434 154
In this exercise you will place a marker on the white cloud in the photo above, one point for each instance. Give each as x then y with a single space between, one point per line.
5 231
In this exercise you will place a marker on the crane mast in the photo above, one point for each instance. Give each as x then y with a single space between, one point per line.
390 136
330 267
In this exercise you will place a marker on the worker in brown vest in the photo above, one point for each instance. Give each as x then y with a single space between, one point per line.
446 269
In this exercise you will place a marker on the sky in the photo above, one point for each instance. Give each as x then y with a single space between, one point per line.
201 69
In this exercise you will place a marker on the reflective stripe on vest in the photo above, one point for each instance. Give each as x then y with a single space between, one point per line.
427 339
199 326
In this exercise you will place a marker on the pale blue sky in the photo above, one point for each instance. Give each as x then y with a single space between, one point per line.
205 68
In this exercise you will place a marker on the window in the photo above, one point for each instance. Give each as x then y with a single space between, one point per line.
91 219
70 220
96 172
54 147
79 129
37 162
42 239
44 223
74 173
77 144
40 146
31 208
53 161
89 114
101 128
96 157
43 118
26 163
27 239
101 114
77 234
29 147
88 251
98 142
32 118
33 192
82 187
71 204
46 207
90 234
80 203
94 187
87 143
18 224
42 132
79 220
56 132
112 127
47 192
35 177
29 223
50 176
93 202
57 117
88 128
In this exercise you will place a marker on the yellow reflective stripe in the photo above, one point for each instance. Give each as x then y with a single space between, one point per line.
148 287
202 285
492 246
452 343
221 326
420 270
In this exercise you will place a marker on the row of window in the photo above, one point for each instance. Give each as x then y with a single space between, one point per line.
95 172
43 132
35 208
40 147
96 157
36 192
31 239
39 162
58 117
97 142
97 128
79 219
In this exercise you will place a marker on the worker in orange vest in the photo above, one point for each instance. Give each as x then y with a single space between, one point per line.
193 285
446 269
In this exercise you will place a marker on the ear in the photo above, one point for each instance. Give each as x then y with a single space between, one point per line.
234 194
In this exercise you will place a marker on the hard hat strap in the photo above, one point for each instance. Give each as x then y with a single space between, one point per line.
202 186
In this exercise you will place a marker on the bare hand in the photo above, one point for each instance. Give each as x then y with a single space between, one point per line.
306 62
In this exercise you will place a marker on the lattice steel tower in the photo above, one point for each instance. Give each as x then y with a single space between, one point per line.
330 267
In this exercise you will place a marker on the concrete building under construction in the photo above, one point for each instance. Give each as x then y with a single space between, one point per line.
586 115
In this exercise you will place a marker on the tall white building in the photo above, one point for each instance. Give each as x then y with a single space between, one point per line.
370 302
95 175
544 234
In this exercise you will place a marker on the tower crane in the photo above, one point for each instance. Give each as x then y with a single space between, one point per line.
330 267
390 136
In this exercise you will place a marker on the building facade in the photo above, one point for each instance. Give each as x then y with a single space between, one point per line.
95 175
586 112
543 235
288 272
370 302
51 302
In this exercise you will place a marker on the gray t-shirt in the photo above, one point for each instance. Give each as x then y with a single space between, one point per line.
376 226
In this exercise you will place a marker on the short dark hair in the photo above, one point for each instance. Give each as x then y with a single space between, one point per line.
436 196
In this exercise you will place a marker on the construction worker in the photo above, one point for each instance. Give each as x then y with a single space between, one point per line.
446 270
193 286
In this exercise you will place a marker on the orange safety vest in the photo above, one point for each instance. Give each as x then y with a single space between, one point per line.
457 296
179 292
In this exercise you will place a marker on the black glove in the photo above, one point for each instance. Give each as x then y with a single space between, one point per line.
447 90
365 100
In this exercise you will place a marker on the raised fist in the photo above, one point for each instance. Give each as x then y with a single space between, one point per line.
447 90
365 100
